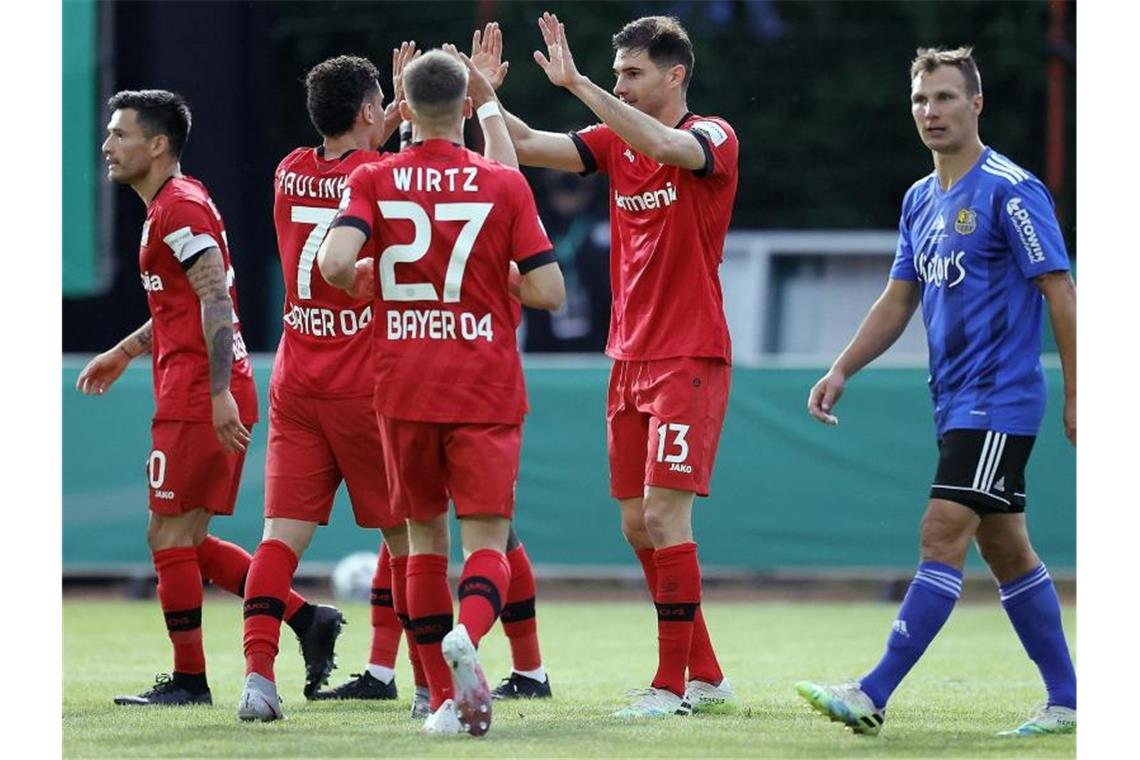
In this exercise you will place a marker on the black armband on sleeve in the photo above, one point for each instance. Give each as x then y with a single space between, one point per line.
530 263
187 263
589 163
710 160
355 222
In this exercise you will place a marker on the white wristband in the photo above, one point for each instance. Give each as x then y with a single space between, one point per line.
488 109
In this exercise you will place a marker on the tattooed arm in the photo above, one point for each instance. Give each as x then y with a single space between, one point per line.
106 368
207 276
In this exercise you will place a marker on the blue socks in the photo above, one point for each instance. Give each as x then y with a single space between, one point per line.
1033 608
928 603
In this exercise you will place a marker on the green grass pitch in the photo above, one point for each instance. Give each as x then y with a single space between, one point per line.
974 681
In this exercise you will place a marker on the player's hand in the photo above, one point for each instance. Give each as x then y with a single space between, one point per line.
824 396
102 371
1070 417
227 422
479 89
559 67
514 282
401 57
487 54
364 280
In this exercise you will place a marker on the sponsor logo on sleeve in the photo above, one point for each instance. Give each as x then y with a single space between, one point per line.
629 155
711 130
1023 223
966 221
178 238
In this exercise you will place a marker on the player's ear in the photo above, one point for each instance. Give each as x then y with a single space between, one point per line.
367 113
978 103
405 111
160 144
676 75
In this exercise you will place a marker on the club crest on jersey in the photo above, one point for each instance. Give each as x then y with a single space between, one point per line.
966 222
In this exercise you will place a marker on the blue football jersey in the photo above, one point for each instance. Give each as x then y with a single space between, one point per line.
974 251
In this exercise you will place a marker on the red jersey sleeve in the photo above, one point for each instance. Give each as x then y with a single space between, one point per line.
528 237
189 227
358 205
594 144
720 146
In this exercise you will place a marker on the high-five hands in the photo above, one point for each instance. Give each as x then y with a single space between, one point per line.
558 63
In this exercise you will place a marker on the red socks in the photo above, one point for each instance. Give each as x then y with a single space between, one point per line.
486 575
386 628
226 565
400 605
180 596
266 588
703 665
518 613
678 598
429 607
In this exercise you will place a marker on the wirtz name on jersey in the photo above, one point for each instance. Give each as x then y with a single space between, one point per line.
426 180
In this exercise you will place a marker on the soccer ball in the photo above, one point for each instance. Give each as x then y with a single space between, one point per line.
352 577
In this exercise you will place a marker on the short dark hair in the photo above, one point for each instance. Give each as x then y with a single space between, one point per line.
927 60
435 84
663 38
335 89
160 112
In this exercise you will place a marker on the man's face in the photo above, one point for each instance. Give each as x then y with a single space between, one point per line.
376 103
129 152
944 113
640 82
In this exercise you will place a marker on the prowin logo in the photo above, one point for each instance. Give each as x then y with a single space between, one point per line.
1024 224
647 200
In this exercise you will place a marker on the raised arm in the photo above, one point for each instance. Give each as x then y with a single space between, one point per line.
675 147
102 371
551 150
1061 296
207 277
881 327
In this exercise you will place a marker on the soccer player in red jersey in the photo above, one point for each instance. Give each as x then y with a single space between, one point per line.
673 177
322 429
449 387
203 386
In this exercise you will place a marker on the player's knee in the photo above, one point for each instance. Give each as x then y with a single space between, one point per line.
1008 560
633 528
666 525
397 540
428 537
168 533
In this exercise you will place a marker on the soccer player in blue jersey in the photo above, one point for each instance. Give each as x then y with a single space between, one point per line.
980 248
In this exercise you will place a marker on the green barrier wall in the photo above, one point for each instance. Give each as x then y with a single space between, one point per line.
787 492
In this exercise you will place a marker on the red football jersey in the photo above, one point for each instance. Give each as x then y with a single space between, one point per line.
667 228
181 222
446 222
325 347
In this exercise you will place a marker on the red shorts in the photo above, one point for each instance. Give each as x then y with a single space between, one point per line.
316 443
188 469
663 422
430 463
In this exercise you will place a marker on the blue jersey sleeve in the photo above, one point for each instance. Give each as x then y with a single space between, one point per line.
903 267
1029 225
